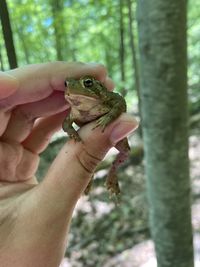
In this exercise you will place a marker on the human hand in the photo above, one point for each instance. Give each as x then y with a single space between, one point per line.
34 219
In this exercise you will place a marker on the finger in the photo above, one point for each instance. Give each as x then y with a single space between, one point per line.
16 164
73 167
27 167
8 85
4 119
109 83
40 80
41 134
24 116
77 70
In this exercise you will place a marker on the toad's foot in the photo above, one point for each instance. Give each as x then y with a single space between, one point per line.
68 128
89 186
75 136
102 122
112 184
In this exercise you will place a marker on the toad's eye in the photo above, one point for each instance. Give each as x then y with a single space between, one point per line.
66 83
88 82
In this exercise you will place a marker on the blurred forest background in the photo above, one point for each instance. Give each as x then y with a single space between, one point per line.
102 31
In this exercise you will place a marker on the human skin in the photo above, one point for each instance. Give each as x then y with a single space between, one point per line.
35 218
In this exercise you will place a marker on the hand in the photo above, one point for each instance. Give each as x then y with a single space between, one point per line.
35 218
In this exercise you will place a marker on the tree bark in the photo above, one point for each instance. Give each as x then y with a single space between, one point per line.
7 33
121 47
133 52
1 61
58 22
163 61
134 60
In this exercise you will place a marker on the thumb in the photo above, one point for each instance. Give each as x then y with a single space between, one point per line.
73 167
8 85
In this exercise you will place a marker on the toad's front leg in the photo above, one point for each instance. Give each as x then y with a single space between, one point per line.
116 106
68 128
107 118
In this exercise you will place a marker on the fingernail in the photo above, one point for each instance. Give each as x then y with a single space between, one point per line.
123 129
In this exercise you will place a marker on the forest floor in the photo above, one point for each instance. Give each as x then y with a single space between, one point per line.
104 234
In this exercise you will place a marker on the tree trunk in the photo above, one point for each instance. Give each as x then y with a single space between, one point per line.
121 47
133 52
58 23
162 38
7 33
1 61
134 60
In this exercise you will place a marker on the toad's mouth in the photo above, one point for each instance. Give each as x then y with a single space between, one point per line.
80 101
73 92
81 96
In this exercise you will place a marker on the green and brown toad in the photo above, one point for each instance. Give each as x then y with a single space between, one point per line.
90 100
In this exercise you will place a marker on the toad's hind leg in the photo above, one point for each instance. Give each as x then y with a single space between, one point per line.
112 181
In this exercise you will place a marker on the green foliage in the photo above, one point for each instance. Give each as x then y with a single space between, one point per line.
84 30
88 30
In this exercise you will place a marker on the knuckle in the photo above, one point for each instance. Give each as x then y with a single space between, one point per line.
22 114
28 159
88 161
